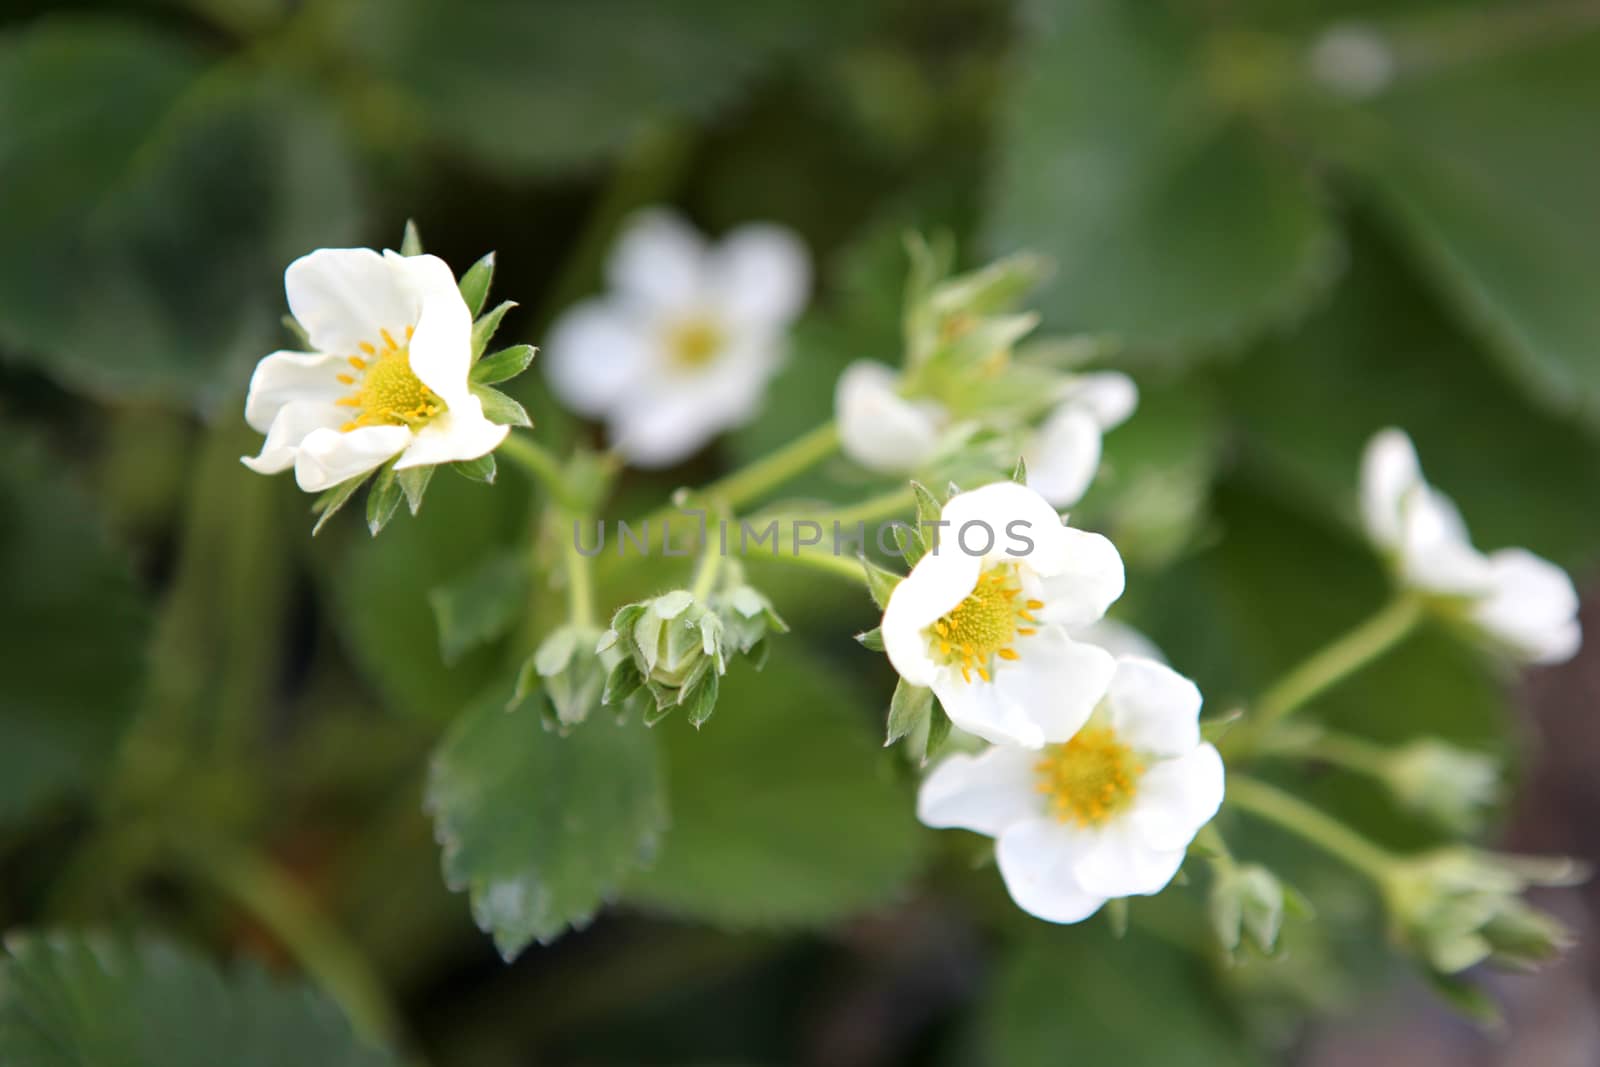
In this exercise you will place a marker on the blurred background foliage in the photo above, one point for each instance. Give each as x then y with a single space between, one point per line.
1297 221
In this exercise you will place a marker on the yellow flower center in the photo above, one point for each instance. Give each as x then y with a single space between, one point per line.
1090 778
985 624
693 343
387 392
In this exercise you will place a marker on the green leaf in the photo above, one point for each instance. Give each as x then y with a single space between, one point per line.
148 229
383 499
503 365
73 999
483 330
480 605
330 501
1486 167
782 812
71 604
541 828
1081 993
475 283
515 86
481 469
1172 225
499 408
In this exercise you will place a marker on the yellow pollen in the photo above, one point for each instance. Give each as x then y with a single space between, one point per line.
388 393
983 626
693 343
1090 778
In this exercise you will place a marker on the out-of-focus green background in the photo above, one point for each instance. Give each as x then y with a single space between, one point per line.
1302 222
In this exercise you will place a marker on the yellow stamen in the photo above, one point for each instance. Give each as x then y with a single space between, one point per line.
388 338
388 392
1089 778
366 346
346 379
981 629
357 362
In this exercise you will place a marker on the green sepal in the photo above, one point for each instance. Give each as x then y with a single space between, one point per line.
331 500
908 709
414 483
486 325
1116 911
872 639
411 241
503 365
383 499
474 284
481 469
297 331
499 408
700 702
1019 473
623 682
938 733
910 543
880 582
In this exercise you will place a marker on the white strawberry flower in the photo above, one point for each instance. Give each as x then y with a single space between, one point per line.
1525 604
683 345
1063 454
392 340
1105 810
886 431
983 619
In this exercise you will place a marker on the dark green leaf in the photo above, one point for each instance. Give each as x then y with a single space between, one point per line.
71 604
502 365
148 228
475 283
541 828
480 605
72 999
1172 225
781 812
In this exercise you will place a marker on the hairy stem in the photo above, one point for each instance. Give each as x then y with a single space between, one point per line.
1301 819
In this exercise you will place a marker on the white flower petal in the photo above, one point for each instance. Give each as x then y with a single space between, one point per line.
982 709
441 347
1036 860
1119 639
984 793
1177 797
293 422
659 262
1003 522
935 585
1153 708
759 273
286 377
1087 581
1055 681
1063 455
343 296
1532 607
461 433
328 457
594 356
1110 396
878 428
1435 554
1119 863
1389 471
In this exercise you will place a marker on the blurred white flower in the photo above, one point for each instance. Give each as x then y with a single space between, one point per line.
983 619
1522 602
1063 454
1106 810
880 429
388 377
885 431
683 345
1119 639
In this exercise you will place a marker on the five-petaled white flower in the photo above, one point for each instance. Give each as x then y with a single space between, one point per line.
388 377
983 618
885 431
1522 602
683 346
1104 811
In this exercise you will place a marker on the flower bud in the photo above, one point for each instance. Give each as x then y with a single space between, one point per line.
570 670
1451 786
1457 907
1247 907
673 646
747 617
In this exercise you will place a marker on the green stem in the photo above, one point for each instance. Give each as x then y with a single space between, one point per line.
1341 750
322 951
1293 814
1329 666
540 464
705 578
